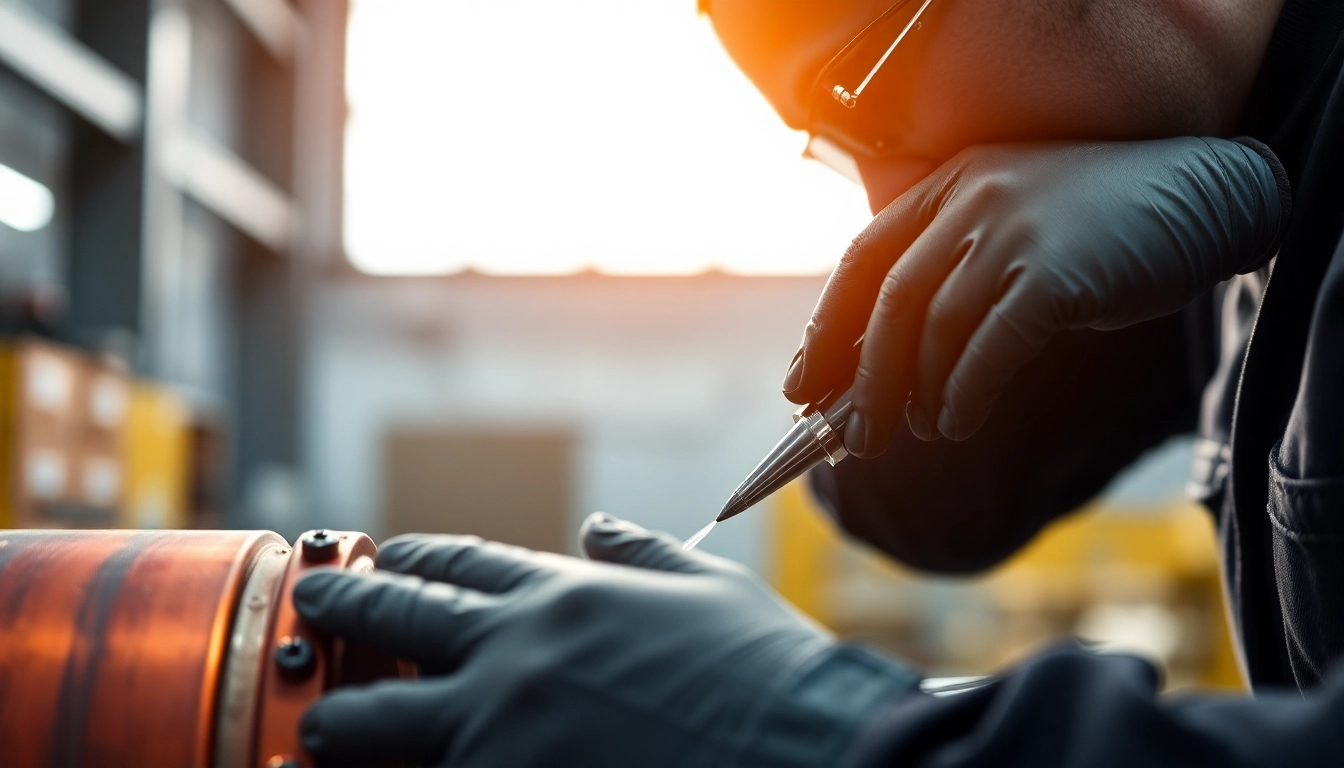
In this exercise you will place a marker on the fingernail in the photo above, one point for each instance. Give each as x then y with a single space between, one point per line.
795 375
856 434
919 421
947 424
607 525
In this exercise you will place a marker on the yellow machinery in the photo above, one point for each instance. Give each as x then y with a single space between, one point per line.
1142 579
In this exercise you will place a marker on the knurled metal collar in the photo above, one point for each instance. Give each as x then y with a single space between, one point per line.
831 442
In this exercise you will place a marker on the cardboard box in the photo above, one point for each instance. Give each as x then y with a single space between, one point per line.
102 406
39 427
62 436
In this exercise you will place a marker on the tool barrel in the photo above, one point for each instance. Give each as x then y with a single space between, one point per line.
165 648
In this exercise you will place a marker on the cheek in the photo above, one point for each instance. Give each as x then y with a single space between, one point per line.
958 105
1007 76
950 100
988 76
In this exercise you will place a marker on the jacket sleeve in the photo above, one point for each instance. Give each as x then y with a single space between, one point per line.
1072 708
1082 411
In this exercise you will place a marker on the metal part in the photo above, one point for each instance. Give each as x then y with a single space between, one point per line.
951 686
285 697
320 546
295 658
151 648
851 100
830 440
248 642
112 645
817 435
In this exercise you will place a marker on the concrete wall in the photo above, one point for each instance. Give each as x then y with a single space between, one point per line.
671 384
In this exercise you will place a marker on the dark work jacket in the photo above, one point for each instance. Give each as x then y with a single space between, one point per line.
1256 368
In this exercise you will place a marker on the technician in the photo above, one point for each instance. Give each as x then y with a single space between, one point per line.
1054 309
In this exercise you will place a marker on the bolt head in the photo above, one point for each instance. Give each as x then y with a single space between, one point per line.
295 657
320 546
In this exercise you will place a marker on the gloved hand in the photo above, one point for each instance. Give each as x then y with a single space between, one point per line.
651 657
967 276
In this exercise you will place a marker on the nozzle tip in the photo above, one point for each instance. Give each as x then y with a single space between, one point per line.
731 508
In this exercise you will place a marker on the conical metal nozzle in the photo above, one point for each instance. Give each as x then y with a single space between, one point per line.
731 507
815 437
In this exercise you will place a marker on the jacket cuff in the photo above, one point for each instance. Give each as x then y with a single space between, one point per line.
819 717
1285 197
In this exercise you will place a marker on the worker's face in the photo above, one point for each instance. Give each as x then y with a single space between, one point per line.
976 72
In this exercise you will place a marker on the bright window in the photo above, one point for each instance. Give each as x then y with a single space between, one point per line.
543 137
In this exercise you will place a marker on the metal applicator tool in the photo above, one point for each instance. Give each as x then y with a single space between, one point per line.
817 435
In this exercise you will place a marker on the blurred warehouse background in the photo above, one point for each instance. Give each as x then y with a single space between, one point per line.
484 267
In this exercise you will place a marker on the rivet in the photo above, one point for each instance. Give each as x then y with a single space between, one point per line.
320 545
295 658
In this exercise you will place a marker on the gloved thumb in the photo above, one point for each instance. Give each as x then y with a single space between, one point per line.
613 540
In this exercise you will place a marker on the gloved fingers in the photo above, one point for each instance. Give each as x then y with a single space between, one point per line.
426 622
885 375
611 540
386 722
825 359
1016 329
467 561
959 306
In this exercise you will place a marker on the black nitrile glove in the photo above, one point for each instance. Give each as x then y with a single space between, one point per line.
653 657
966 277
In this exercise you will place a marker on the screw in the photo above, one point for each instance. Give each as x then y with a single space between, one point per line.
320 546
295 658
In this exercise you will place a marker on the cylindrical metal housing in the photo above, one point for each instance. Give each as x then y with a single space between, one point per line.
130 648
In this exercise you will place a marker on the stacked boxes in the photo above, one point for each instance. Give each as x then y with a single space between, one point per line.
62 426
82 444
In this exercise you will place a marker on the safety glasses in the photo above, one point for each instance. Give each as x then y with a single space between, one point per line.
838 119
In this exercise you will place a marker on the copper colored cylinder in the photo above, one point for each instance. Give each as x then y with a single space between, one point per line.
121 648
